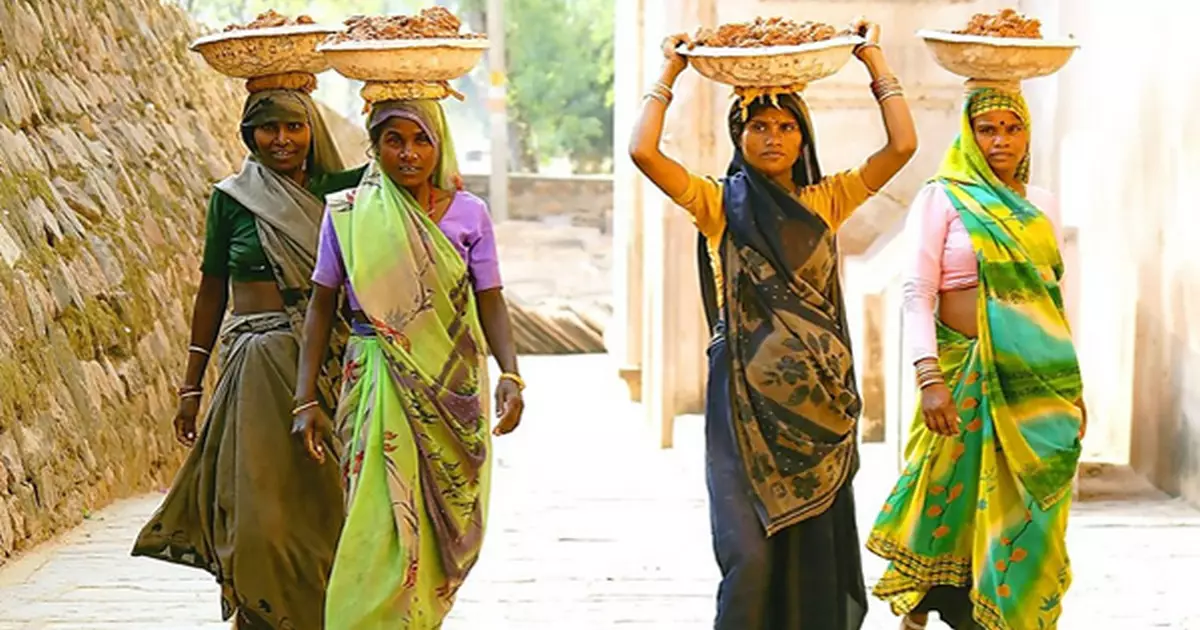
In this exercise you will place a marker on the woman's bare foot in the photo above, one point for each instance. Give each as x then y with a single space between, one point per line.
914 621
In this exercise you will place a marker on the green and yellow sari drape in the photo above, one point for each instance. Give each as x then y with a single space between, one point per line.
417 458
985 512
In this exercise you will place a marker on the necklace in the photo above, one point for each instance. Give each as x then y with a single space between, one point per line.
432 208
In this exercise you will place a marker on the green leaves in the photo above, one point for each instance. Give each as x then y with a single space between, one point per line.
561 77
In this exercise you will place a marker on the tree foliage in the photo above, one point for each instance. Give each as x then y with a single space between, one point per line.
560 78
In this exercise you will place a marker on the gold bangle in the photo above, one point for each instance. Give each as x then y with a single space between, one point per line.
199 350
517 380
305 407
664 89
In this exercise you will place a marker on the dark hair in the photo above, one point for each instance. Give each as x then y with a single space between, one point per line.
737 123
806 171
376 134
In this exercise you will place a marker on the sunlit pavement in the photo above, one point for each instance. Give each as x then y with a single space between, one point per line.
592 526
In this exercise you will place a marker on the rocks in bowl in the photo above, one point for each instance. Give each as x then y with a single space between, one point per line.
270 19
774 52
762 32
273 44
405 56
1004 49
431 23
1006 23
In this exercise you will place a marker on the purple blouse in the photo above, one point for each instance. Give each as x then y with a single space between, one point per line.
466 223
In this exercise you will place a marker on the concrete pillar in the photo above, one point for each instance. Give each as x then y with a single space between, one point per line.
624 336
674 331
872 426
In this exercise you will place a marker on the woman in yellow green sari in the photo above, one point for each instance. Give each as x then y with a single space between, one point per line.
975 529
418 262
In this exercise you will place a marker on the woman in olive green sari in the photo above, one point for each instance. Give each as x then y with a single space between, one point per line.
248 506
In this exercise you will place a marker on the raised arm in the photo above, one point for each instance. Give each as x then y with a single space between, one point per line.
897 119
670 176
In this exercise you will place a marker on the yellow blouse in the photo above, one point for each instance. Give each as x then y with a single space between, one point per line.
834 199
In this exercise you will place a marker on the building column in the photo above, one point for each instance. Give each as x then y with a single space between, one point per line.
624 336
674 332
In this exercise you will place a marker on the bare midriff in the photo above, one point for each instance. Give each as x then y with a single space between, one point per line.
256 297
958 310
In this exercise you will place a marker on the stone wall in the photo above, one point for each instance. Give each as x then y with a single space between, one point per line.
585 200
111 134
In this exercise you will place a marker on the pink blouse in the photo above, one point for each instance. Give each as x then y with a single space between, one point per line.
942 259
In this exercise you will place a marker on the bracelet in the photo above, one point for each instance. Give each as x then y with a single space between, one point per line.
192 394
658 97
889 94
517 380
863 46
305 407
198 350
929 374
664 89
188 389
886 87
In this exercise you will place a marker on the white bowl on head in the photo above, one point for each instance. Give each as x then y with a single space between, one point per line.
258 52
1000 59
771 66
405 60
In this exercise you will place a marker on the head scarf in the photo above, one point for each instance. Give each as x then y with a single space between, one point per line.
289 106
965 162
429 115
806 170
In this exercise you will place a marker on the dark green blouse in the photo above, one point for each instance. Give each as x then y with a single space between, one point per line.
231 245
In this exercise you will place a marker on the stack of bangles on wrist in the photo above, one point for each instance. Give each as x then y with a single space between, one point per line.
929 373
886 87
661 92
516 380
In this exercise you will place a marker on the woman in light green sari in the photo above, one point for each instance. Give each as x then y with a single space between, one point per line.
418 262
975 529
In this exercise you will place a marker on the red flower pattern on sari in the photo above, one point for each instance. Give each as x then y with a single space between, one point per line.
393 335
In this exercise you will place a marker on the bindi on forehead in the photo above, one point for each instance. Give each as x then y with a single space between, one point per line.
1000 118
773 115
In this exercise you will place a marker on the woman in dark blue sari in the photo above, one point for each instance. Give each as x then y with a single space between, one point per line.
782 402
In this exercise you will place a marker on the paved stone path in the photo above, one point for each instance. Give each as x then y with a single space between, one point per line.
594 528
